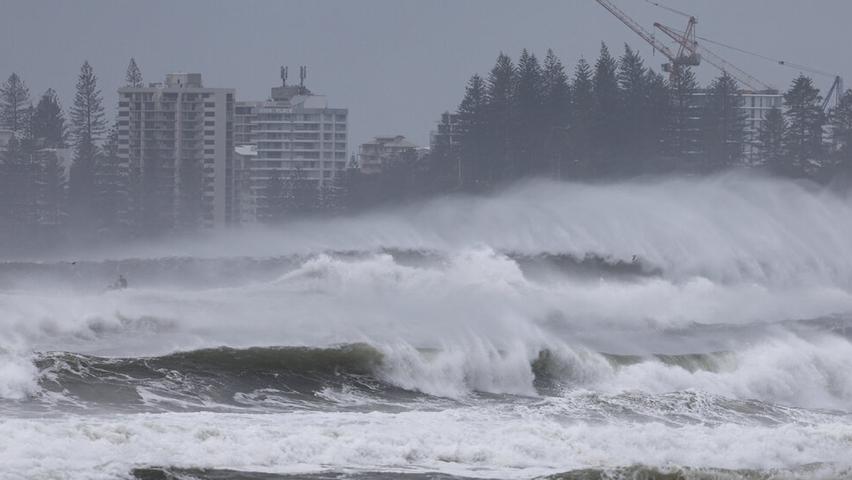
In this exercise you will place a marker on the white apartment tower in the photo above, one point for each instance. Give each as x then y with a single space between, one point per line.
298 137
177 140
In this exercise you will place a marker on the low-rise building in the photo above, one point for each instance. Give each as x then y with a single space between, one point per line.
382 151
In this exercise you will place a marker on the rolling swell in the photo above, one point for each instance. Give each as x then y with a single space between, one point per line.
214 377
285 377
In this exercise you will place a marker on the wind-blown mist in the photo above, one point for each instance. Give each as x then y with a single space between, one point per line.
707 310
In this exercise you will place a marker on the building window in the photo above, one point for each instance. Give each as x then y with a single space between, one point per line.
209 151
209 114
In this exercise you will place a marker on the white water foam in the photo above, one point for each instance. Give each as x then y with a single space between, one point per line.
467 441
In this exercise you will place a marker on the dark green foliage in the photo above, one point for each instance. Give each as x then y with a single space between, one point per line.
473 159
87 126
133 78
723 124
683 136
48 122
805 119
111 186
18 201
14 104
501 117
606 114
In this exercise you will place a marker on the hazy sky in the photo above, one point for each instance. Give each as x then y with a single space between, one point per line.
396 64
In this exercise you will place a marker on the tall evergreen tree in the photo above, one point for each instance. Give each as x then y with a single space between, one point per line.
472 165
682 140
501 114
582 118
805 119
655 120
629 127
723 124
529 132
605 82
87 126
48 121
133 78
17 198
111 193
14 104
770 139
557 112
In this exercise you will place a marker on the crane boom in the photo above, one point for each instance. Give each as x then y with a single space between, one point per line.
633 25
836 90
686 54
688 43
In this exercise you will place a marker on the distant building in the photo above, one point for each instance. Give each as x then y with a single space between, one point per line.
245 116
181 133
298 137
446 133
755 106
382 151
244 195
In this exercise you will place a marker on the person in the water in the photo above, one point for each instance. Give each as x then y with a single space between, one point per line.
119 284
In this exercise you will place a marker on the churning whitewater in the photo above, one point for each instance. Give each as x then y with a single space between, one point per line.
675 328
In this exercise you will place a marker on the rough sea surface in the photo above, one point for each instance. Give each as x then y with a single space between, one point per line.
661 329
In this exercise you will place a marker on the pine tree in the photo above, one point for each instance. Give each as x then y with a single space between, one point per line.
501 114
770 138
655 120
607 112
557 112
683 133
582 118
472 166
529 132
48 121
14 103
805 119
51 189
723 124
87 126
111 185
18 197
630 127
134 75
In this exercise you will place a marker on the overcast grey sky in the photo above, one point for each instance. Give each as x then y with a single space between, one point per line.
396 64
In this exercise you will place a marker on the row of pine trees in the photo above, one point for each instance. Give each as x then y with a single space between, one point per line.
41 202
618 118
614 119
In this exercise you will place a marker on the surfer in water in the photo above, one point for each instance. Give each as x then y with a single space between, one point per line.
119 284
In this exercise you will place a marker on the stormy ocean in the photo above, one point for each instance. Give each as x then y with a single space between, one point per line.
659 329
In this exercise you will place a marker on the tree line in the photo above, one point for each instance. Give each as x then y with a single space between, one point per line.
613 119
41 201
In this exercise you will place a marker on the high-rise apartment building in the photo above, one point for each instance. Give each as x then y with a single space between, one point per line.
177 140
299 138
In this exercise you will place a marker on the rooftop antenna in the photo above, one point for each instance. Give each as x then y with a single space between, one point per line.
303 73
283 76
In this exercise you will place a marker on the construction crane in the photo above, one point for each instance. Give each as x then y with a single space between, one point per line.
684 56
687 41
691 52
